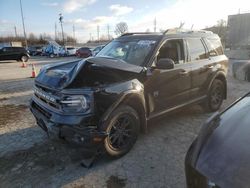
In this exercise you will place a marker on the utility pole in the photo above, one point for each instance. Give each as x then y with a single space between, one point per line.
24 32
74 36
108 31
55 31
61 21
90 37
98 32
15 31
155 24
192 27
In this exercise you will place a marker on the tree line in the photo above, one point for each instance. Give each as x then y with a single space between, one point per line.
42 39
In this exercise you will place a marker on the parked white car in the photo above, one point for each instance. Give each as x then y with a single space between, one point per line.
71 51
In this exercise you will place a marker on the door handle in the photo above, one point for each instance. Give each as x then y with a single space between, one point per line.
183 73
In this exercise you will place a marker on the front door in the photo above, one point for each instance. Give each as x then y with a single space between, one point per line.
168 88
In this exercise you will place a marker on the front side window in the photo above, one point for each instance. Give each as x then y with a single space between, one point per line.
132 52
172 49
196 49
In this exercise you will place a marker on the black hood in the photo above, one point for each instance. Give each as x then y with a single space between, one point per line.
88 72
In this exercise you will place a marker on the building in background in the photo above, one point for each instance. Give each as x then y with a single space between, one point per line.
238 36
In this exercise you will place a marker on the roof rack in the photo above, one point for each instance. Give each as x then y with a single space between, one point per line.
141 33
179 30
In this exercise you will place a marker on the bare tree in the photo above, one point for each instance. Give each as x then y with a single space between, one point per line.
121 28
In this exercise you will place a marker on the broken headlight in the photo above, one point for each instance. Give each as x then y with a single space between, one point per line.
75 103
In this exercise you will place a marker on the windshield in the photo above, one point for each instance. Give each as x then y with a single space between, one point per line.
132 52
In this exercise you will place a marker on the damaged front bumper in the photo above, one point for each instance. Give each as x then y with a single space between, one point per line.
78 129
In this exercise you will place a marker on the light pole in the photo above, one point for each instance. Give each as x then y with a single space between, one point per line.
61 21
24 32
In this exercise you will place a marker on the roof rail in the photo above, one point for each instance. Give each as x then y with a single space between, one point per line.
141 33
178 30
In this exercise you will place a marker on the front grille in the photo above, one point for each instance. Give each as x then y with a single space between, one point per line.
54 105
44 99
41 110
47 90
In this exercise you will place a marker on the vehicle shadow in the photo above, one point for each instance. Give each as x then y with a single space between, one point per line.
8 62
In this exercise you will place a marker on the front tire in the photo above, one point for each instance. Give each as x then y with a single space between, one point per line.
123 127
215 96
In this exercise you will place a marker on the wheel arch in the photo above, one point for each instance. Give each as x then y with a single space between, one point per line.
135 100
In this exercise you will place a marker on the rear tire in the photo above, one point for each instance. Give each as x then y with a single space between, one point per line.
123 127
24 58
215 96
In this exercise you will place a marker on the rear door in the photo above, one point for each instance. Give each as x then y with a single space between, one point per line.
202 67
17 52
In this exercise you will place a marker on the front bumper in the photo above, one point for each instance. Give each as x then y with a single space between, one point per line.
78 129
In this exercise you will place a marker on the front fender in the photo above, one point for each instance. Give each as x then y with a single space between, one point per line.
130 93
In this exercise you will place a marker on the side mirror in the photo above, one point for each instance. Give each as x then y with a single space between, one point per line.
165 63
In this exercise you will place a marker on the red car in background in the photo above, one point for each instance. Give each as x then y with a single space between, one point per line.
83 52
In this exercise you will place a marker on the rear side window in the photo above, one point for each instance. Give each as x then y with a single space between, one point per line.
196 49
18 49
214 46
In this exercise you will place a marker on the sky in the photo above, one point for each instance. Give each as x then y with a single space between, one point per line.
41 16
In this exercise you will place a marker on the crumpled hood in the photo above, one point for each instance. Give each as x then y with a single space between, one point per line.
115 64
87 72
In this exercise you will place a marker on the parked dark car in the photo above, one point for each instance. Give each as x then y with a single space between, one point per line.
35 50
14 53
219 156
83 52
109 98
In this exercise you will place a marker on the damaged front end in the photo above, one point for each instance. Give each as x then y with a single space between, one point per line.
72 100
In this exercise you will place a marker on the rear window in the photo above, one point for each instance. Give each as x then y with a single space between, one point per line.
84 48
214 46
196 49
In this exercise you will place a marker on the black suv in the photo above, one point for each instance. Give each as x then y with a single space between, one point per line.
136 77
14 53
